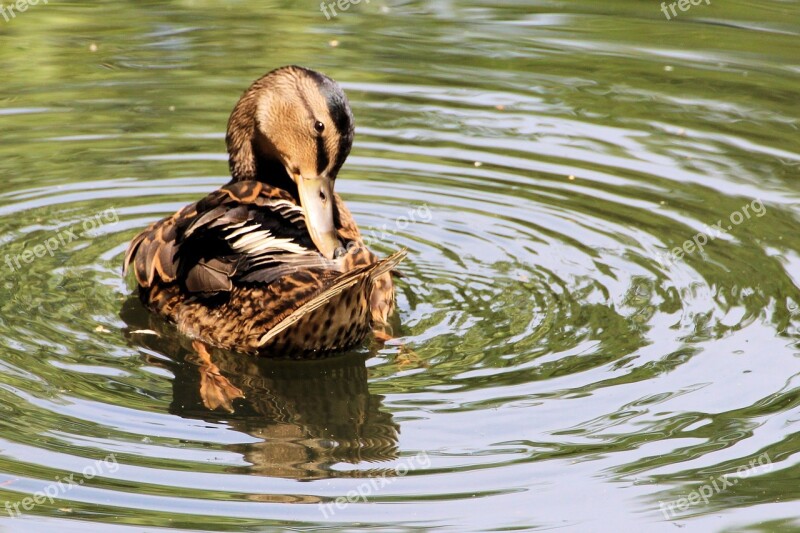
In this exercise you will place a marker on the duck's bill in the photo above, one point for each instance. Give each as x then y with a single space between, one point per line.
316 199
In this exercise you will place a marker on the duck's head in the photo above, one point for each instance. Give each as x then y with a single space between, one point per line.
293 129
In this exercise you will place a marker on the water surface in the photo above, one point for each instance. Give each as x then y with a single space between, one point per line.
561 366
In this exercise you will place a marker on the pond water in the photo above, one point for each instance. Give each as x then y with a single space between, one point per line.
600 312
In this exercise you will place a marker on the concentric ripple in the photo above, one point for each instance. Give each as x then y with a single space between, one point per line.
600 302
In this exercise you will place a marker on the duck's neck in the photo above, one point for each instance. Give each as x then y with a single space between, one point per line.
273 173
246 158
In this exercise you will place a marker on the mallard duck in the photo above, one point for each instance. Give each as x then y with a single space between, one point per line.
272 263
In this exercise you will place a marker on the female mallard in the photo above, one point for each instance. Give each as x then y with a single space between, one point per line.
272 263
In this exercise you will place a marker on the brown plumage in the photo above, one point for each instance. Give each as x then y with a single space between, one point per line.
272 263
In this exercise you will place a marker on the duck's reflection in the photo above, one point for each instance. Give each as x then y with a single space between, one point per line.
306 415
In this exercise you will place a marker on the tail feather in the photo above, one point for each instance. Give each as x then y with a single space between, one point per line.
382 267
343 283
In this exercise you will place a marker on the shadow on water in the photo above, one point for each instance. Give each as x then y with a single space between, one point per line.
306 416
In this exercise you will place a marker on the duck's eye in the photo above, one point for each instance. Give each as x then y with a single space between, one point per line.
319 126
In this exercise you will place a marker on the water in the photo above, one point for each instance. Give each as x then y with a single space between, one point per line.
538 159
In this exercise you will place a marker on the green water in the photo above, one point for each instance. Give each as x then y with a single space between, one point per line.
539 159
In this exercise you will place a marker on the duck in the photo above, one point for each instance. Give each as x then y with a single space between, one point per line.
272 263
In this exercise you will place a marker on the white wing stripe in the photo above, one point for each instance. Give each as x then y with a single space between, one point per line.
260 241
277 244
240 231
252 239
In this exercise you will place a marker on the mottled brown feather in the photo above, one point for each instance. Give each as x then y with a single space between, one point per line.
249 311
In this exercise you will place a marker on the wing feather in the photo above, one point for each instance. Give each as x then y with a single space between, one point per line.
244 232
341 284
